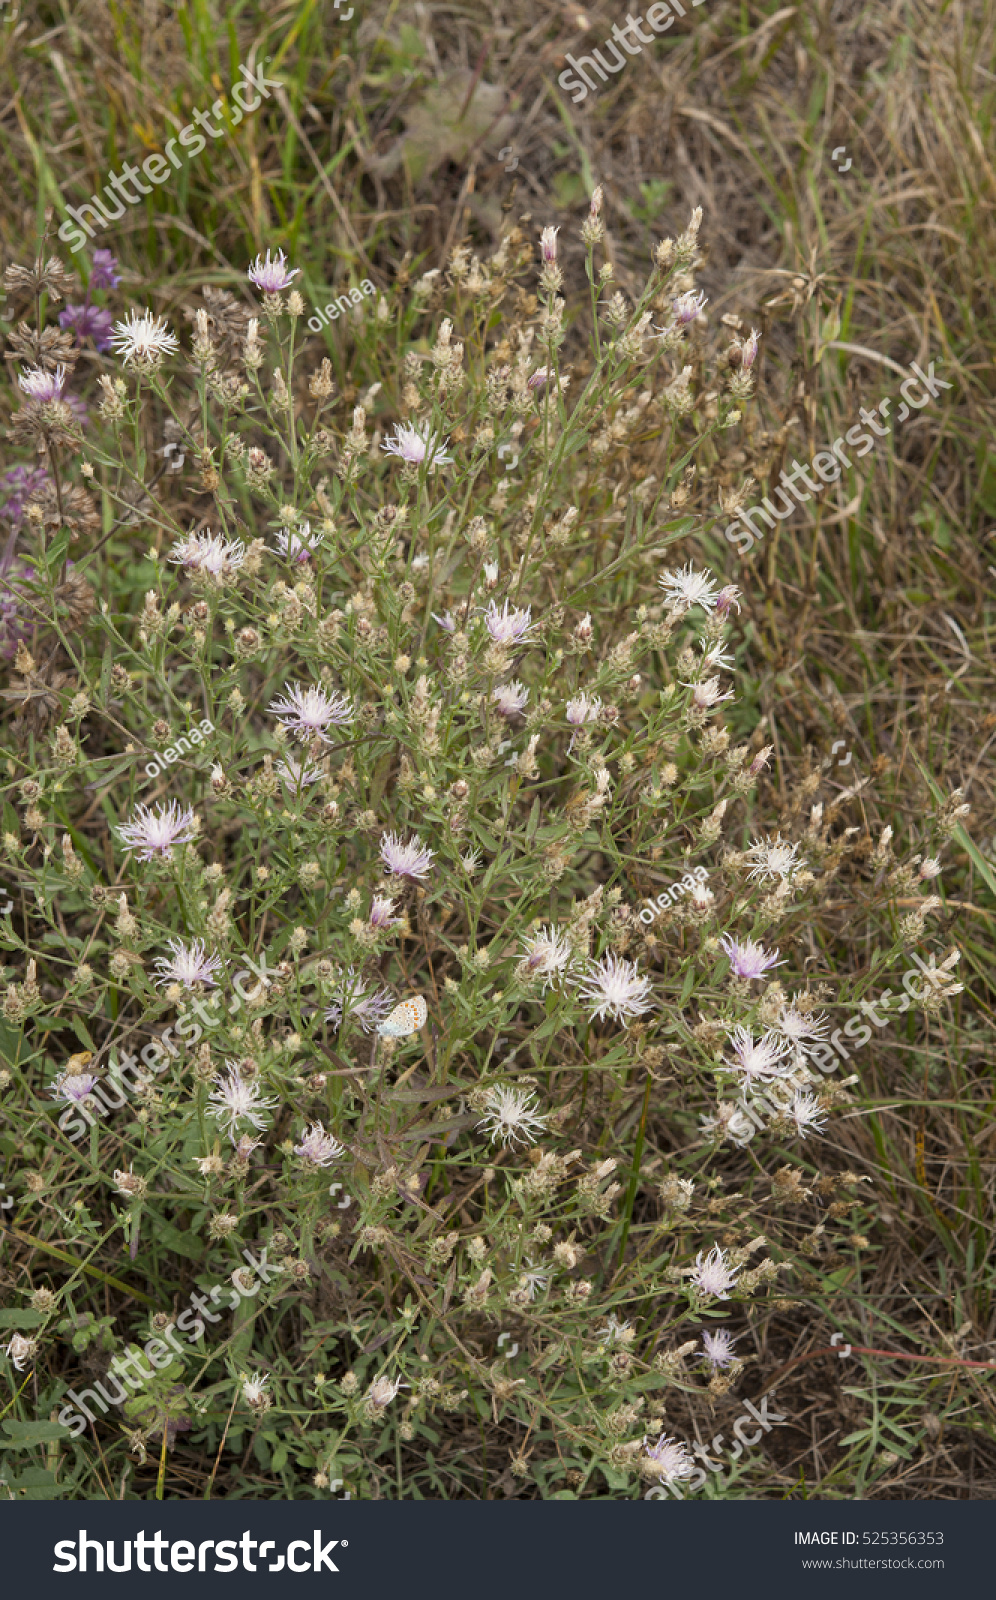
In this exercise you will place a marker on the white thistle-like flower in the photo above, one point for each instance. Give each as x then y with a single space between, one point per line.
799 1026
582 709
298 775
616 988
760 1061
74 1087
142 340
382 1391
683 586
298 544
548 954
237 1099
510 1116
470 862
309 712
254 1388
209 552
319 1148
727 1123
415 443
21 1350
533 1279
670 1460
154 833
773 858
188 965
382 912
713 1275
807 1114
356 1001
706 693
615 1332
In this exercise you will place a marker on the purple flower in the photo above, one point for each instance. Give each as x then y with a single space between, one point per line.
19 485
749 349
298 546
154 833
747 959
308 712
548 244
74 1088
42 385
271 276
382 912
509 625
510 698
104 274
445 622
16 616
719 1347
687 307
89 320
412 860
670 1460
209 552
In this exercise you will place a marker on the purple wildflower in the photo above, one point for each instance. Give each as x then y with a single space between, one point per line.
410 860
104 274
272 276
747 959
509 625
89 321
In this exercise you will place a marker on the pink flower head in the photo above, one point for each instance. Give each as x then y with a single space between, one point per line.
582 709
411 860
727 597
687 307
319 1148
271 276
382 912
189 964
510 698
719 1347
154 833
74 1087
750 349
509 625
747 959
308 712
416 443
548 244
713 1275
42 385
